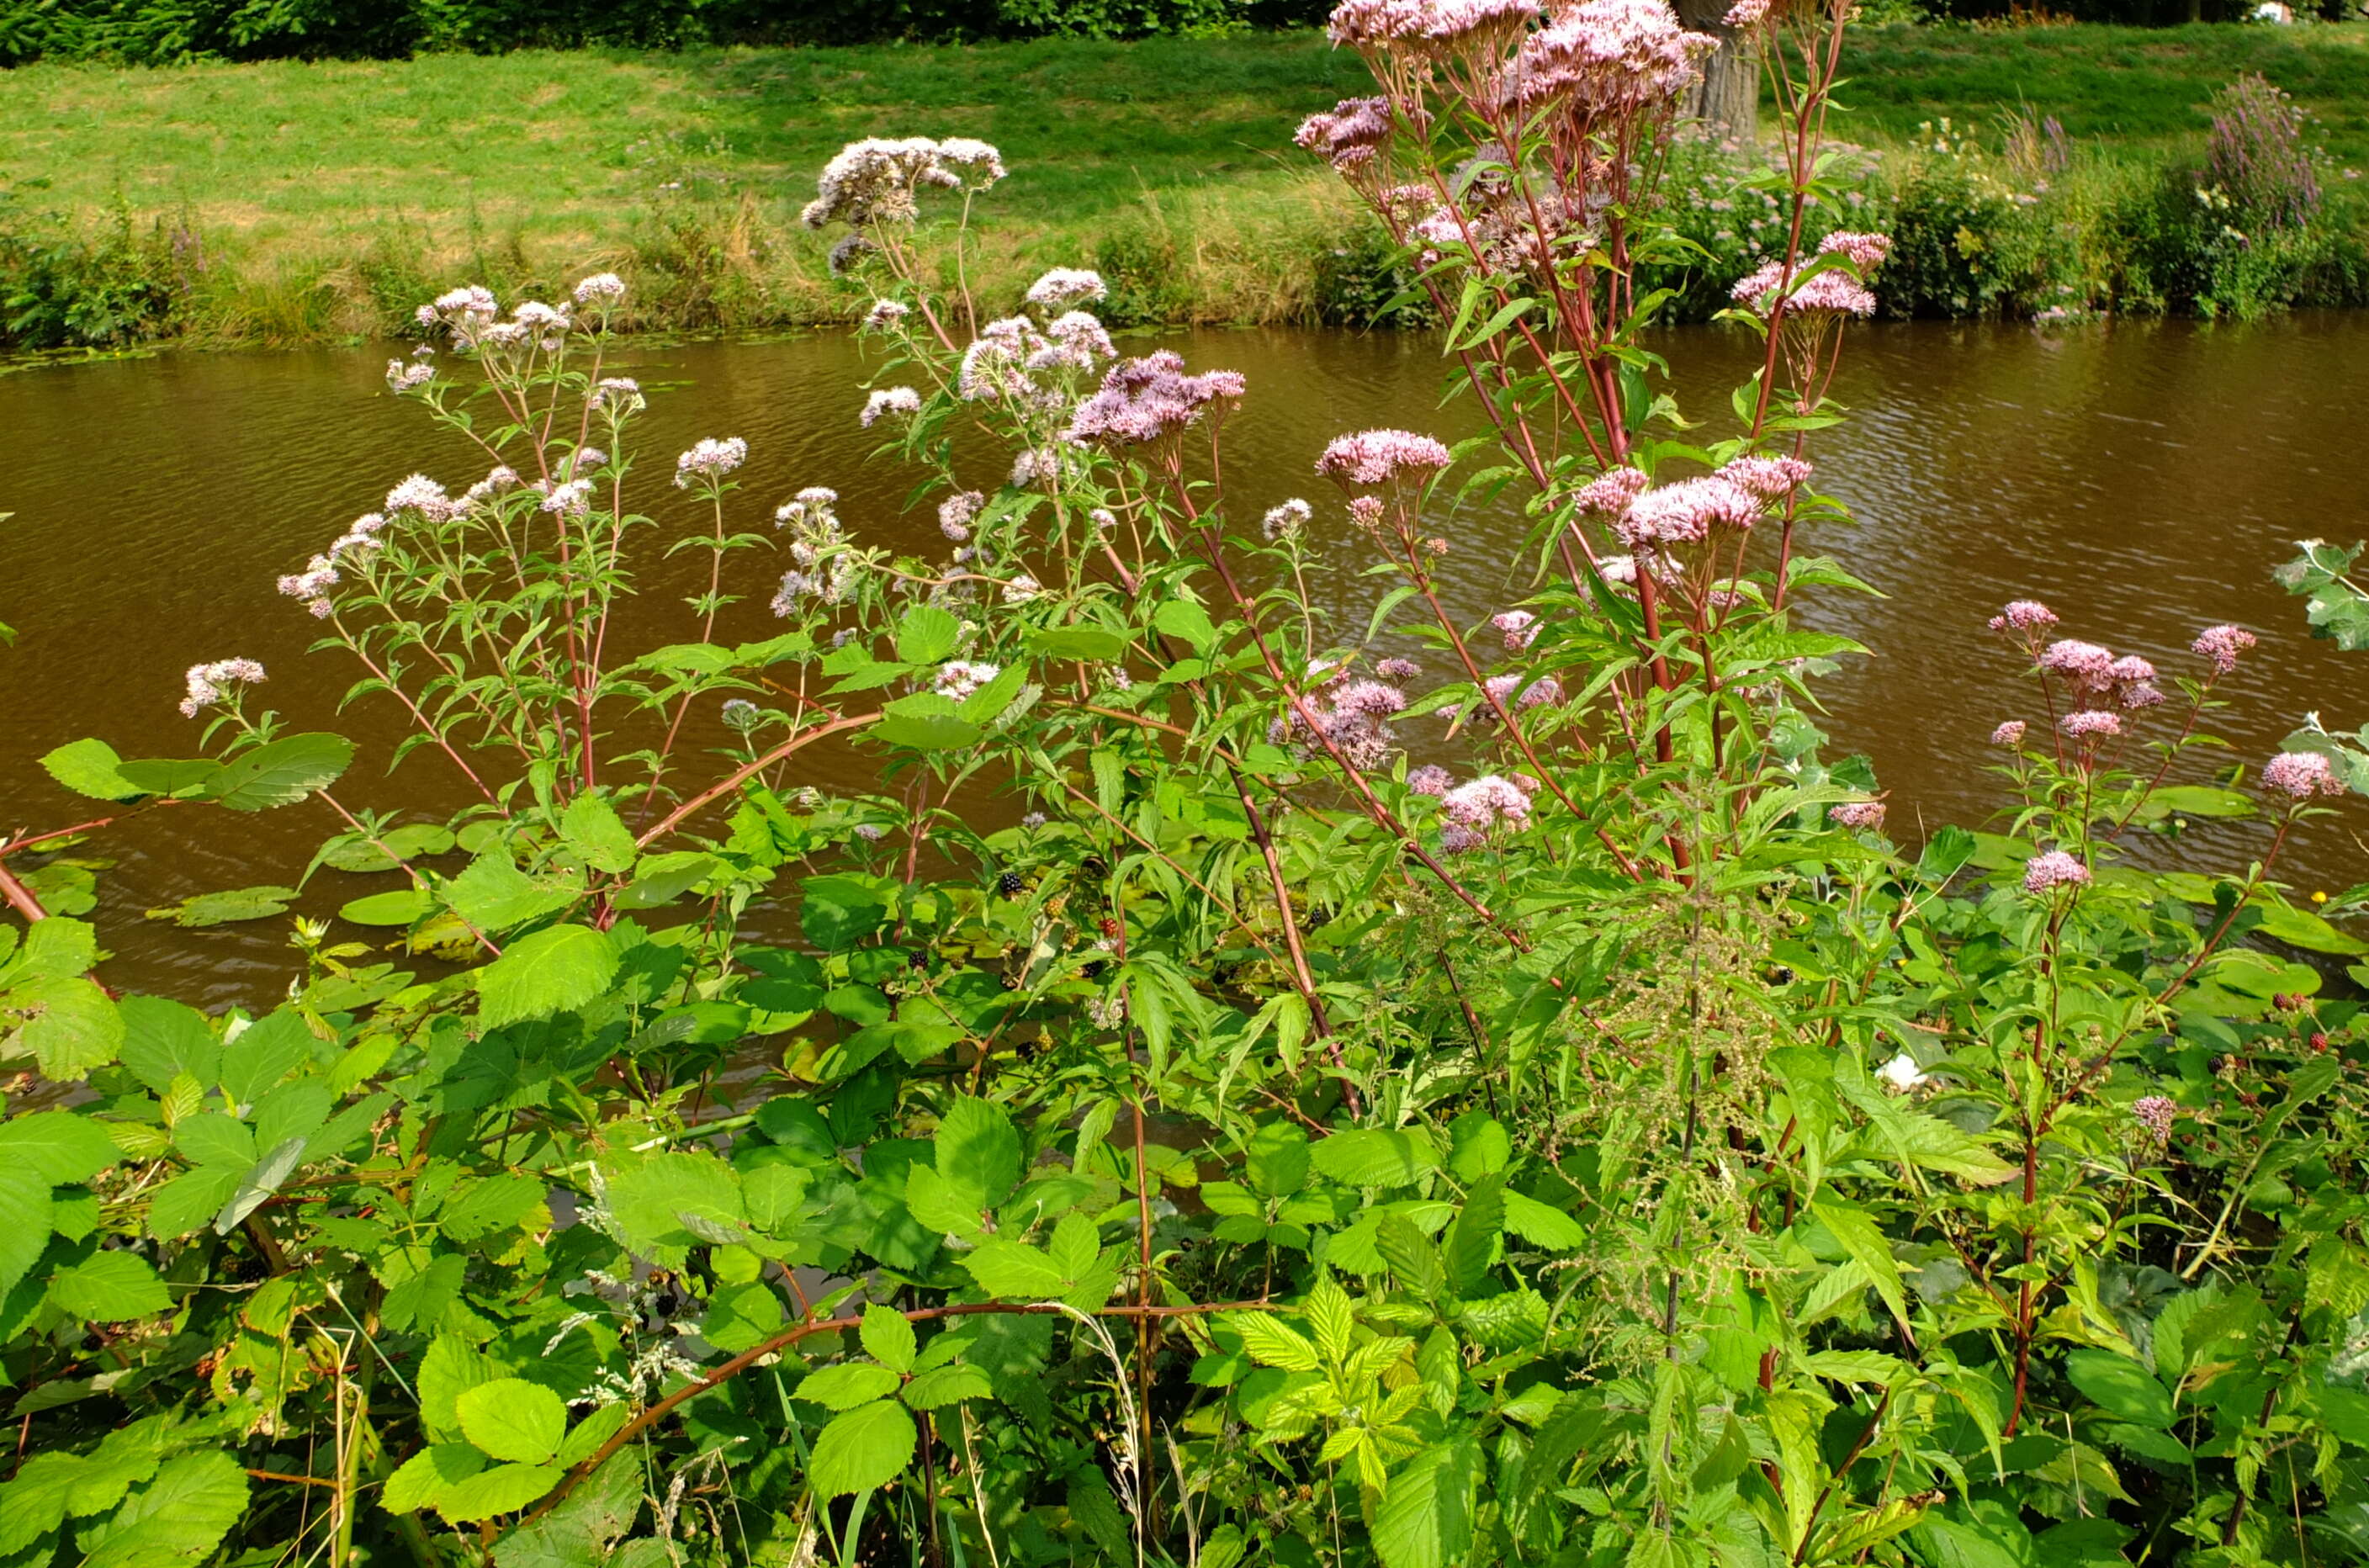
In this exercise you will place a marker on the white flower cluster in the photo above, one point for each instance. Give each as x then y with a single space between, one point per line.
875 180
209 683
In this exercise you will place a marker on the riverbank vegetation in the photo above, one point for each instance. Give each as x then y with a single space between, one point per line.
287 201
1217 1081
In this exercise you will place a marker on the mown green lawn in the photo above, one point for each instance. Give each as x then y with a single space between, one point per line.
568 144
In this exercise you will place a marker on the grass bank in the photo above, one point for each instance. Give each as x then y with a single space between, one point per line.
293 201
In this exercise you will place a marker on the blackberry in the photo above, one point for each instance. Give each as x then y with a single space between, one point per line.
1008 885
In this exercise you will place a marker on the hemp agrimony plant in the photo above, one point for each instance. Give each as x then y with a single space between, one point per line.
1161 1120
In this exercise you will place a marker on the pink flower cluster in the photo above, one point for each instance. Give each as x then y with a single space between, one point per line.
1472 809
709 460
1770 478
2156 1113
1349 138
2044 874
1352 715
2023 615
1427 27
1381 457
1431 779
874 180
2301 774
1607 58
1518 627
2095 677
2090 721
2222 645
1687 512
2008 734
1864 814
1065 286
1864 251
209 683
1832 294
901 402
1150 399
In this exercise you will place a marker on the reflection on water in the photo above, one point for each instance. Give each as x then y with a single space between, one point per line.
2141 478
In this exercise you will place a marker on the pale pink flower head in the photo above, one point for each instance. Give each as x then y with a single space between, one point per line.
901 402
600 290
1398 669
2085 667
1485 802
1286 519
422 495
1770 478
209 684
2043 874
1608 59
1067 286
2155 1113
1864 251
1746 14
2008 734
2090 721
2301 775
1518 627
1687 512
1372 458
709 460
1431 779
1831 293
1150 399
1352 136
1370 699
1862 814
2222 645
2023 615
1427 27
1610 493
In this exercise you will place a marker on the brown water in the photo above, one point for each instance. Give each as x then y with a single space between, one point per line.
2143 478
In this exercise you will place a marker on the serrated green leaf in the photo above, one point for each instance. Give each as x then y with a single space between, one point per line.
282 773
593 829
59 1147
512 1419
1425 1517
424 1479
550 971
25 1221
1377 1157
862 1449
847 1385
90 767
889 1337
109 1288
505 1489
71 1026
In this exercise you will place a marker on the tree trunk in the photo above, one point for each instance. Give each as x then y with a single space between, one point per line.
1729 93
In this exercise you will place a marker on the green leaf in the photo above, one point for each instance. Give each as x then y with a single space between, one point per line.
1273 1343
163 1040
1091 644
1867 1246
259 1183
450 1368
427 1476
34 1502
191 1199
180 778
848 1385
180 1516
505 1489
977 1146
24 1220
2121 1385
72 1027
1425 1517
944 1386
1013 1270
109 1288
263 1054
550 971
282 773
889 1337
926 634
400 905
1377 1157
587 1437
863 1448
492 894
59 1147
594 830
513 1419
414 840
89 768
656 1201
926 722
224 908
1542 1225
741 1317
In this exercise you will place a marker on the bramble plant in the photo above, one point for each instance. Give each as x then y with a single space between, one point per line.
1181 1130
